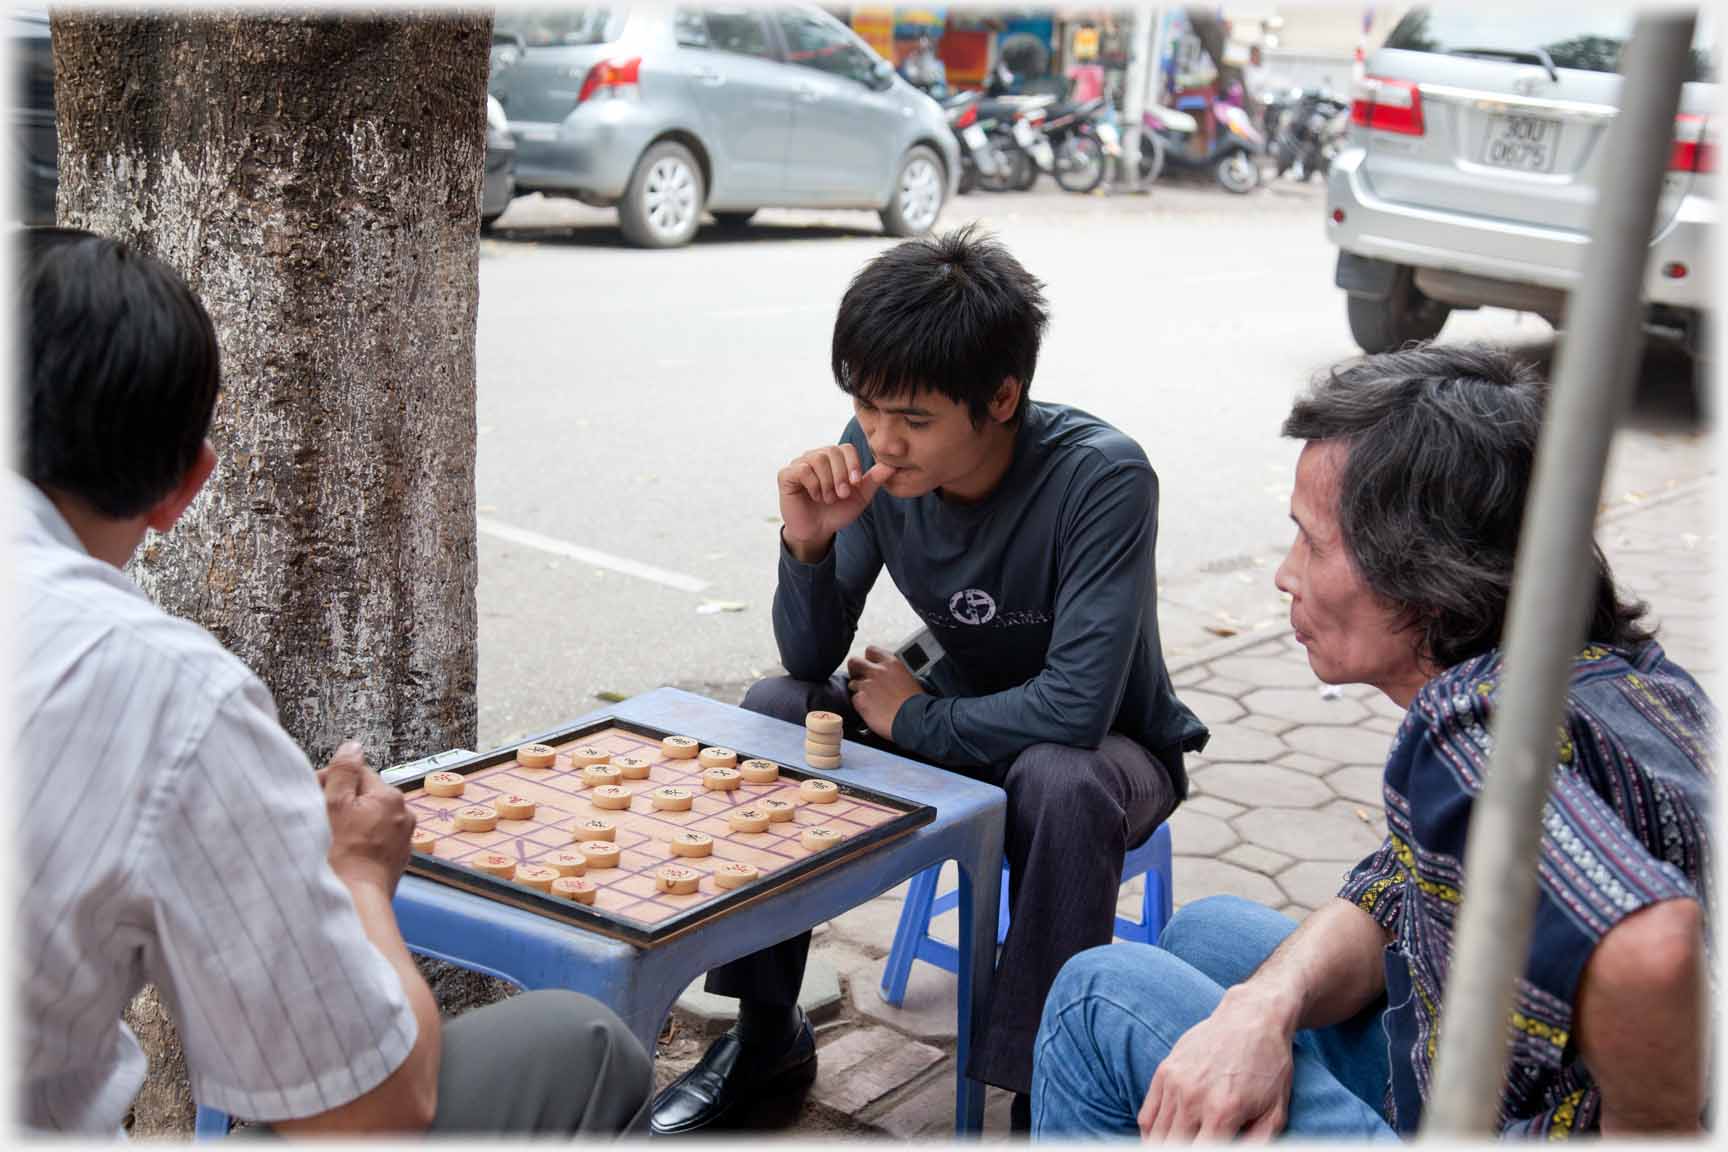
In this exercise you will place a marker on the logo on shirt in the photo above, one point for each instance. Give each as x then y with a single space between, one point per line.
972 606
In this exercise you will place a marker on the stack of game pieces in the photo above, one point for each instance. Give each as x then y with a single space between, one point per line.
822 740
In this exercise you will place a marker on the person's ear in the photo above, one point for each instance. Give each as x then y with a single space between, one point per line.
1006 402
169 509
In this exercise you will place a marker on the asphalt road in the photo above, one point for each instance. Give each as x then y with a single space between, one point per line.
634 407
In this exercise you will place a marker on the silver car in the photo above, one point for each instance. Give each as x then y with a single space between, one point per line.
1476 150
669 112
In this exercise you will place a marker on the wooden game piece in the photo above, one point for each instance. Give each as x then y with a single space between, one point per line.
824 723
816 839
829 750
600 853
824 763
632 767
599 775
828 744
445 784
734 874
496 864
423 840
536 876
516 808
671 799
759 771
819 791
721 779
587 754
575 888
610 796
567 862
596 828
677 880
718 758
692 844
536 756
779 811
476 818
680 747
748 820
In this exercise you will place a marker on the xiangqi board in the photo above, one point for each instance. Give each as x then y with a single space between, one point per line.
687 830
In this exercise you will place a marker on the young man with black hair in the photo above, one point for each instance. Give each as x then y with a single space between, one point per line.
1022 533
174 834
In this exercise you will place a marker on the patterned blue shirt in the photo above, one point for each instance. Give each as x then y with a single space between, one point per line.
1625 826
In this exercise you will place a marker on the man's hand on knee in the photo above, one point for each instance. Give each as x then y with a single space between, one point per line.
1227 1076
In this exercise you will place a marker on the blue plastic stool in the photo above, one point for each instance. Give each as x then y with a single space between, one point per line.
912 939
210 1124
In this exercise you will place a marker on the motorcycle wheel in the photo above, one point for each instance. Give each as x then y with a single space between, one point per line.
1008 155
1080 162
1025 171
1151 157
968 180
1238 173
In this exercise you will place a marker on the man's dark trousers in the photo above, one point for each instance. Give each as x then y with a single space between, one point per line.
1072 815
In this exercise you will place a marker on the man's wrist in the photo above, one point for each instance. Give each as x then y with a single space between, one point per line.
1268 1000
807 551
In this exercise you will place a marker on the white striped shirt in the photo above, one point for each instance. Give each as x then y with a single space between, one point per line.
172 833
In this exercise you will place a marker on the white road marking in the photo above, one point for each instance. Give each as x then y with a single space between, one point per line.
592 556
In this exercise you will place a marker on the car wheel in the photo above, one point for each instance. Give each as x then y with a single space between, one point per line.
662 204
918 194
733 221
1238 173
1403 315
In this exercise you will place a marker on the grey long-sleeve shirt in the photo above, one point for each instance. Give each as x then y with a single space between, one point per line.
1043 596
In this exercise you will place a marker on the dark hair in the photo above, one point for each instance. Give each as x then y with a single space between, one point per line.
1442 441
122 375
955 315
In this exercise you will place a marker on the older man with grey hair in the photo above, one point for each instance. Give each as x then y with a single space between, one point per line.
1408 500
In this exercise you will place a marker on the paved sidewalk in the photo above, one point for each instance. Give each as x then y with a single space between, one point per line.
1285 799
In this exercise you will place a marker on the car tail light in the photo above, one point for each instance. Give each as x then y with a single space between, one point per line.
610 75
1387 105
968 117
1694 145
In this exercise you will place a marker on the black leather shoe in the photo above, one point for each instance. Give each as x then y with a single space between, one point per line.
733 1088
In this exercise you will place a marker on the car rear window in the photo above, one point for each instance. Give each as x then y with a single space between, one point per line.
550 27
1586 39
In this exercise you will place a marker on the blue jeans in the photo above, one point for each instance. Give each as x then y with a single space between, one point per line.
1116 1011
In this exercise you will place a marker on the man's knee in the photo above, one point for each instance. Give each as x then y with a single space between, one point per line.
575 1031
1214 924
1134 974
780 697
1051 777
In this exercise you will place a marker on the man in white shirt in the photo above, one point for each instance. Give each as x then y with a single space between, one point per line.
172 833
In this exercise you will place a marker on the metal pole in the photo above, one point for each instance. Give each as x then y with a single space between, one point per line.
1554 580
1140 62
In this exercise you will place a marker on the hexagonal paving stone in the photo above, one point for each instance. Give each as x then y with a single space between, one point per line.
1224 686
1265 670
1256 785
1197 877
1245 746
1308 834
1214 710
1271 725
1258 859
1305 706
1344 745
1313 883
1196 834
1359 782
1370 816
1212 806
1313 765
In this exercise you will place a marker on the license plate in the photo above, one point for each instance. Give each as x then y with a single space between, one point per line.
974 137
1044 154
1023 133
1522 143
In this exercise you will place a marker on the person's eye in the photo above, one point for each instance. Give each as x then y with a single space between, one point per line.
917 424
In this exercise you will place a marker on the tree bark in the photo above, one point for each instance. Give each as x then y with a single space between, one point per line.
316 179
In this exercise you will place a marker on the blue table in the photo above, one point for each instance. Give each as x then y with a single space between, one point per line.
641 985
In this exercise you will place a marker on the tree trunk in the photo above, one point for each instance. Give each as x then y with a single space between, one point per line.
316 179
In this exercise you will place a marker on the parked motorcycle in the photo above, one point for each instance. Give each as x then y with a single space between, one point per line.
1310 134
1079 144
1233 157
981 157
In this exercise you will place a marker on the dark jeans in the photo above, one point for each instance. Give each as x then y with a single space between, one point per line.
1072 815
